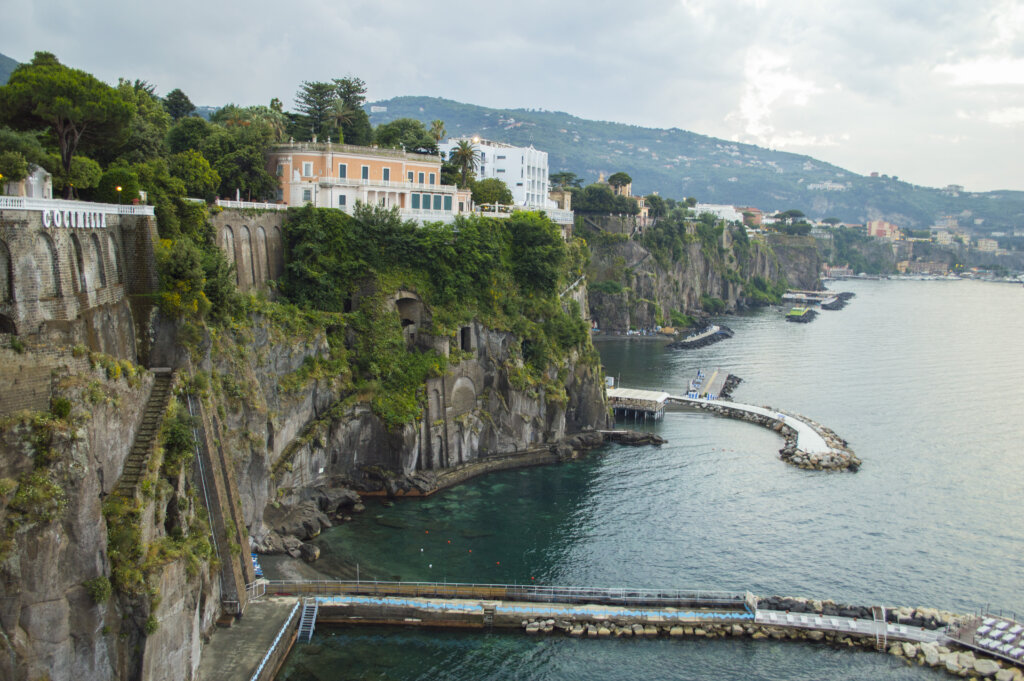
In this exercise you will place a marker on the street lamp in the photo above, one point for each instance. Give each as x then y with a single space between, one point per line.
118 188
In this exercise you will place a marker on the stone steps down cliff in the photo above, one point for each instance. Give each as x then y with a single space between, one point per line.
145 437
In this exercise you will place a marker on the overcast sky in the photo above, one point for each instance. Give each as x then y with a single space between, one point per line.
929 90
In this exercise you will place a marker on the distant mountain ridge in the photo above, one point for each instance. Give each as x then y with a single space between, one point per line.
7 66
677 163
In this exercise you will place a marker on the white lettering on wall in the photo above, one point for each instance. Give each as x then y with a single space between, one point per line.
84 219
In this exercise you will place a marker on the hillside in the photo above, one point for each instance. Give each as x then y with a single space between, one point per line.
677 163
7 65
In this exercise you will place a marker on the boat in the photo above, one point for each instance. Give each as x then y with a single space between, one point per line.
801 314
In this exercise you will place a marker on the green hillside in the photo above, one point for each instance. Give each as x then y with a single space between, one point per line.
677 164
7 65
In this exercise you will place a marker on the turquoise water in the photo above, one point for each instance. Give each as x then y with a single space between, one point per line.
923 378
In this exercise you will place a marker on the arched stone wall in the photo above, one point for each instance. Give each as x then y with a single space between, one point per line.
463 396
44 260
80 282
6 278
115 255
275 253
98 263
243 261
260 262
227 243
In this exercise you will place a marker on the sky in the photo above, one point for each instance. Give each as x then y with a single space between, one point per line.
931 91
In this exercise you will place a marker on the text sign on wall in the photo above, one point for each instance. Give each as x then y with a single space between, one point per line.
82 219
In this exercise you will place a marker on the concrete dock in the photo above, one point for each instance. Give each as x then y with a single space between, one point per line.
254 647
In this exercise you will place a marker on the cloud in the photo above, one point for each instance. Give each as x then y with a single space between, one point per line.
869 83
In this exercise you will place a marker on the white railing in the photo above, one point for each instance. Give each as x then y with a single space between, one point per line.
24 203
273 646
386 184
257 205
497 210
421 216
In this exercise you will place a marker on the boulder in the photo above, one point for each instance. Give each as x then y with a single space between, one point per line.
985 667
650 630
675 631
309 552
909 650
931 654
1011 674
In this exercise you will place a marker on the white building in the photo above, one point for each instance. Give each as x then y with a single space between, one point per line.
523 169
722 212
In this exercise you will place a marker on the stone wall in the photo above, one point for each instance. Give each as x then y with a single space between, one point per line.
251 239
69 284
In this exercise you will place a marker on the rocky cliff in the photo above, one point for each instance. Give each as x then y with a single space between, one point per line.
92 590
637 287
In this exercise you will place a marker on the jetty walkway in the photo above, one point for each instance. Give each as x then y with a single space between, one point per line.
599 612
808 444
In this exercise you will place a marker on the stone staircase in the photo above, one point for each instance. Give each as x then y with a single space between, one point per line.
145 438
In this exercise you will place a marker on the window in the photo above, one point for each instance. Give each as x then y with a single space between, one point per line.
280 195
448 203
386 174
307 195
366 172
410 177
341 201
501 170
500 158
421 178
280 169
342 170
437 202
432 176
307 169
415 201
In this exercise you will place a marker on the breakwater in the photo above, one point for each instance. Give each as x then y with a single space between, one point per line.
706 336
925 635
808 444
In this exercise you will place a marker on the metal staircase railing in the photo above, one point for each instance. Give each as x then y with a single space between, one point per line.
307 624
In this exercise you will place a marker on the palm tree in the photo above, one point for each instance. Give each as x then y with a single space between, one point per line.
341 114
437 130
466 156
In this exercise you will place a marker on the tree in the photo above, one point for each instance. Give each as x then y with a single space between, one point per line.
490 191
145 136
192 168
243 170
620 179
564 180
314 102
407 133
832 221
178 105
467 158
13 167
351 91
188 133
656 207
437 130
117 176
75 106
84 173
537 251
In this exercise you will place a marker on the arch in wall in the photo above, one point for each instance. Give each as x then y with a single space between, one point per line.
79 275
115 255
99 263
244 259
6 275
7 325
435 404
227 243
275 255
463 396
261 265
44 256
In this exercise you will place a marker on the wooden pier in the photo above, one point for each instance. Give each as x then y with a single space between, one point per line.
638 405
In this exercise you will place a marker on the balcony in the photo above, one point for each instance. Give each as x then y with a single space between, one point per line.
384 185
422 216
256 205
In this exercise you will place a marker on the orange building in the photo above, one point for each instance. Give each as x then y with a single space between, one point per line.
340 175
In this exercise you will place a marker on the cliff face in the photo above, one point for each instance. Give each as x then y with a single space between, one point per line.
59 617
295 437
651 289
